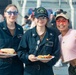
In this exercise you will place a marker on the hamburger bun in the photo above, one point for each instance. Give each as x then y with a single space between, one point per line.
8 50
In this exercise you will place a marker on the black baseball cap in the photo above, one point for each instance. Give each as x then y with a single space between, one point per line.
40 12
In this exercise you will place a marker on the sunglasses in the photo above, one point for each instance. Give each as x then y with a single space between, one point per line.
12 12
61 21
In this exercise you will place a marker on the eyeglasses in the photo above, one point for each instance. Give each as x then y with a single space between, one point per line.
61 21
12 12
42 17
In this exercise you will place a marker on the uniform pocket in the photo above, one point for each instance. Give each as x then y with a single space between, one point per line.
49 44
48 47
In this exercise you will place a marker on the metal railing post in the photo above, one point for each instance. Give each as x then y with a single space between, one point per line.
38 3
23 10
72 13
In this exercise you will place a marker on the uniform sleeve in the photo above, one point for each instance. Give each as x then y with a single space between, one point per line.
56 52
23 49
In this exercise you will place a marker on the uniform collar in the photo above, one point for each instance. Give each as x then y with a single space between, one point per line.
4 27
49 35
48 31
34 32
17 30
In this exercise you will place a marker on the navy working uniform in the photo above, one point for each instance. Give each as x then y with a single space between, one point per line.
12 65
31 44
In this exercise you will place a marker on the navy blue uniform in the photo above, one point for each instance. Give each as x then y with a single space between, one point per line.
30 44
12 65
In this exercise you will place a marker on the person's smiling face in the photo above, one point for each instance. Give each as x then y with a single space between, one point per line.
41 21
11 14
62 24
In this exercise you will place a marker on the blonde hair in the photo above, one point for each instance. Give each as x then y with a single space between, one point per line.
10 5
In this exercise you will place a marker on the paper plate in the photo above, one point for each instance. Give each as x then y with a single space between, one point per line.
4 54
45 58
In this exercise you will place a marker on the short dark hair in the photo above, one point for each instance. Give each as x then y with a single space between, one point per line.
59 10
26 17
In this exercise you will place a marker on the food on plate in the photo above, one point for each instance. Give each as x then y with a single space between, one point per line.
45 56
8 51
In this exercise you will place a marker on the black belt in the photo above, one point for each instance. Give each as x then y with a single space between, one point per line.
9 60
38 67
